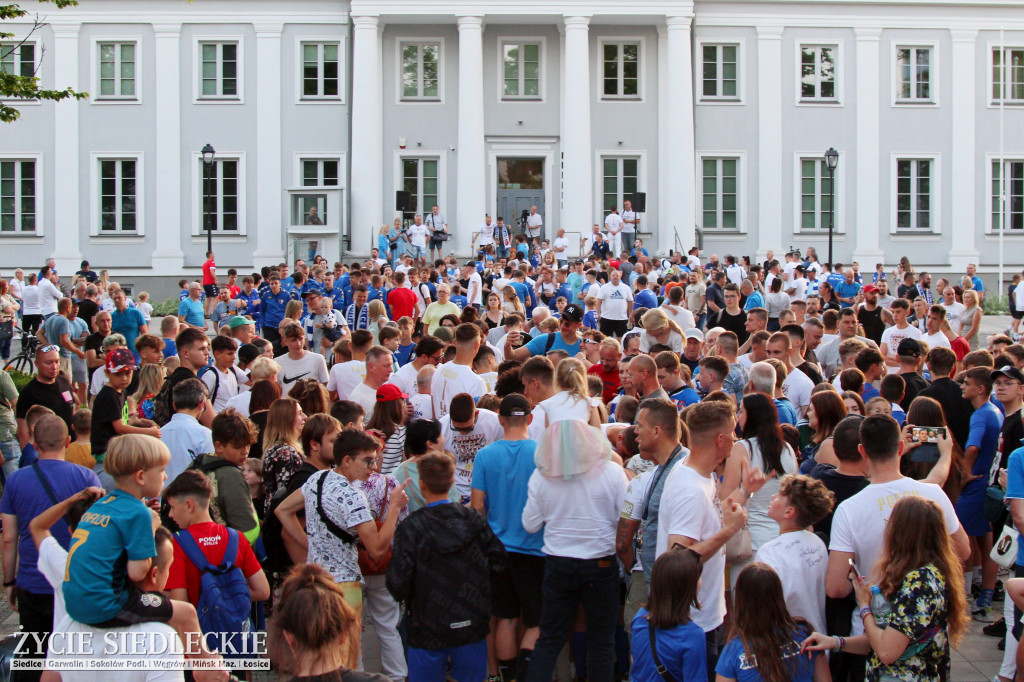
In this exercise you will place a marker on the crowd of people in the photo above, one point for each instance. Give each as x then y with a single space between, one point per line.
677 468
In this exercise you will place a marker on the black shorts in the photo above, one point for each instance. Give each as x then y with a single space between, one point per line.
141 607
616 328
1017 314
436 243
210 290
516 591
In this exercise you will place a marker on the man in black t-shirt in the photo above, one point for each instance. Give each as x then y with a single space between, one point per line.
1007 388
48 388
731 318
87 307
869 315
94 342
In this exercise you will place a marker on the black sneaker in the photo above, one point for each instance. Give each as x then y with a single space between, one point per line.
975 591
1002 644
996 629
999 594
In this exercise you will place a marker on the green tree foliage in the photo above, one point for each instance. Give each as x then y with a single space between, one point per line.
14 85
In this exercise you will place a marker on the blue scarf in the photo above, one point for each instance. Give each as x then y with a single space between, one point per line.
364 317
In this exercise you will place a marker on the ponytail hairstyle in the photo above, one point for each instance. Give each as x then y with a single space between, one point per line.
655 319
571 376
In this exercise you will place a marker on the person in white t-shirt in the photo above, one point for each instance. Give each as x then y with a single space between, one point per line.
691 514
561 248
893 335
260 369
484 235
475 289
613 224
613 307
534 222
858 526
798 386
428 352
954 309
466 430
797 554
418 240
572 402
378 370
422 406
935 327
298 363
630 521
458 376
346 375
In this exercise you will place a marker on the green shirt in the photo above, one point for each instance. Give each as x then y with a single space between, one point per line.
9 393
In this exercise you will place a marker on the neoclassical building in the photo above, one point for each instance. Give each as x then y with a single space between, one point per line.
718 111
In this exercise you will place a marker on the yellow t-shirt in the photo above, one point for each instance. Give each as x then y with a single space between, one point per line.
80 453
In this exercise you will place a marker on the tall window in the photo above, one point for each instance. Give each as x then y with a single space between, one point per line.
18 60
419 178
620 175
521 70
720 193
320 70
1014 191
220 194
117 70
219 75
818 73
621 70
914 65
913 194
720 78
815 194
421 71
319 173
17 196
117 195
1008 74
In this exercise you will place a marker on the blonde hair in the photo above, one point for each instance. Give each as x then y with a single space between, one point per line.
655 319
134 452
973 294
376 310
293 310
263 368
151 379
571 376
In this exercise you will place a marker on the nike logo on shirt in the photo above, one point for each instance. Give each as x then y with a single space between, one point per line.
285 379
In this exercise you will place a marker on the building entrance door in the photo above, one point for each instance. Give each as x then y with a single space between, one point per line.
520 186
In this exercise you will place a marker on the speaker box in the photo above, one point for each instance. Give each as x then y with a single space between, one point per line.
404 202
639 200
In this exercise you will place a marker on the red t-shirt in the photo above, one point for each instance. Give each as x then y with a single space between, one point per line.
235 291
402 302
212 538
610 381
208 272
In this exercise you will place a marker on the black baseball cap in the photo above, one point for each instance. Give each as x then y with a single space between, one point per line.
909 348
573 312
1008 371
514 405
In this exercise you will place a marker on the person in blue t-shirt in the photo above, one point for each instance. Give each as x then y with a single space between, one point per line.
274 304
754 297
669 368
680 644
501 474
568 339
644 297
773 636
847 290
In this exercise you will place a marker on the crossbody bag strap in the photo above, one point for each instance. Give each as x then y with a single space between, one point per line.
45 482
332 527
662 670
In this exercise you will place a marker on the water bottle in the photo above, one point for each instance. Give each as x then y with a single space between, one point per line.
880 606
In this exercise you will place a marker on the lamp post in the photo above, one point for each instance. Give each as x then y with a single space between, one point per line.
208 154
831 160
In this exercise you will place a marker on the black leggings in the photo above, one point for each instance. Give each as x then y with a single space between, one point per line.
30 323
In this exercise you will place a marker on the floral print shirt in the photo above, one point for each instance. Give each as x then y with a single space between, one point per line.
377 489
279 463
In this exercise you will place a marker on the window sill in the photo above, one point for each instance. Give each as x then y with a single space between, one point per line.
819 103
622 98
529 99
131 238
320 100
217 100
16 238
900 103
106 101
224 239
815 235
420 100
915 236
721 101
995 104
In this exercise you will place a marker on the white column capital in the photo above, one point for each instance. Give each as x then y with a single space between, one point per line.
65 29
265 29
867 33
470 21
964 35
770 32
365 21
678 21
576 22
166 29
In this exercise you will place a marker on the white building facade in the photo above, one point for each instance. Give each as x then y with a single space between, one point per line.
719 112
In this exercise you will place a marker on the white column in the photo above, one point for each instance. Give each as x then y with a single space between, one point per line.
868 155
678 150
665 214
270 215
471 193
768 222
963 158
366 186
170 228
577 176
67 204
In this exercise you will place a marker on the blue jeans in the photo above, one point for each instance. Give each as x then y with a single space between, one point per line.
628 238
12 456
500 251
701 319
594 583
469 663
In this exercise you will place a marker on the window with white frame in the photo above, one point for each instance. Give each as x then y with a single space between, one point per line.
117 70
1012 173
218 70
118 188
18 59
320 172
620 70
620 180
421 71
720 72
521 70
914 194
320 71
220 191
914 74
818 73
1008 74
815 194
18 196
720 190
419 178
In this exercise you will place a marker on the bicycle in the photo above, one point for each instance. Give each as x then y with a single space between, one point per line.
24 361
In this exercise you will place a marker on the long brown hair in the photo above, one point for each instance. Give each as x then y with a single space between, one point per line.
311 395
763 623
280 428
925 411
829 409
916 536
674 581
388 415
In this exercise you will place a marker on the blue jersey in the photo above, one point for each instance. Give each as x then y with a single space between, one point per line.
252 304
274 307
459 300
684 397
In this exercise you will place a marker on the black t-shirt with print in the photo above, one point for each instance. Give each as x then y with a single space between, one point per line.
109 407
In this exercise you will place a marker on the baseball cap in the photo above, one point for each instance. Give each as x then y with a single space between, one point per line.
239 321
84 264
573 312
694 333
311 292
514 405
390 392
119 360
870 289
1008 371
909 348
470 264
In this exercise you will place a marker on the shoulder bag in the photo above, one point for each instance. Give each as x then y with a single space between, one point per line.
662 670
739 548
367 564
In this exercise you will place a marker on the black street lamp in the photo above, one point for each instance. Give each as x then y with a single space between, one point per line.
208 154
831 160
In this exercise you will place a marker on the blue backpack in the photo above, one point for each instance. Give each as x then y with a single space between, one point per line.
225 603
